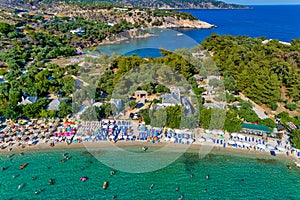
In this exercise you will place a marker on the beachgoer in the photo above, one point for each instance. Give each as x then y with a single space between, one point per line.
205 190
3 168
191 176
33 178
114 196
207 176
177 188
112 172
243 180
51 182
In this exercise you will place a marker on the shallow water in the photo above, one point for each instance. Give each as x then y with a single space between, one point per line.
262 177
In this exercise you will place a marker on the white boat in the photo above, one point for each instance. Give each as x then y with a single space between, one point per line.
179 34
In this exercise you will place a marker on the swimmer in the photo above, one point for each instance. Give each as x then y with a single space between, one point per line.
151 186
51 182
205 190
114 196
207 176
243 180
177 189
191 176
112 172
33 178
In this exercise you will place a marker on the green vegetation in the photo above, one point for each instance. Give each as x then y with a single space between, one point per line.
258 70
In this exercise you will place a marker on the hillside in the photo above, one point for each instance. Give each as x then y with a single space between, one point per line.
177 4
194 4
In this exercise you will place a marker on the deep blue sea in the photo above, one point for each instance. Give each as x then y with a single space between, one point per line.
273 22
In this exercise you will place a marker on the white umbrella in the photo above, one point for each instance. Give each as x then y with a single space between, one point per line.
210 140
261 146
231 142
221 133
239 143
167 139
173 139
246 144
184 140
233 134
241 136
270 147
201 139
279 148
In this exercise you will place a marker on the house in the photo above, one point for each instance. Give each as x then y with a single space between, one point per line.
54 104
28 100
198 55
128 6
112 23
140 94
79 31
171 99
255 128
47 17
175 99
177 89
214 105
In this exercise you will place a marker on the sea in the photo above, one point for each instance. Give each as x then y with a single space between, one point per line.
279 22
229 177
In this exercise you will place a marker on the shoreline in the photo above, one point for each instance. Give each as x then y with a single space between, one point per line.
196 146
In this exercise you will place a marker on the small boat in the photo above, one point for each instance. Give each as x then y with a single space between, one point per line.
105 185
23 166
145 148
179 34
83 179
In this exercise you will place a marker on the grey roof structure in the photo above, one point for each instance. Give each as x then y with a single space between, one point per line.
54 104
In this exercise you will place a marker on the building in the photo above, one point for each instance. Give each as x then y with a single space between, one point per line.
171 99
54 104
140 94
28 100
255 129
79 31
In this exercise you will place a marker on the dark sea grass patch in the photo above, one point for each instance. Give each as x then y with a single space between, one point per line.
266 161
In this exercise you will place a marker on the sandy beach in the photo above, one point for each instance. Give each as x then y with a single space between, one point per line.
123 144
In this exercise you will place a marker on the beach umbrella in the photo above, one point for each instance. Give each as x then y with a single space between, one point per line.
231 142
245 144
210 140
238 143
279 148
270 147
261 146
233 134
201 139
241 136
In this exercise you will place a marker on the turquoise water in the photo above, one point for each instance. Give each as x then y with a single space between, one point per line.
264 178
